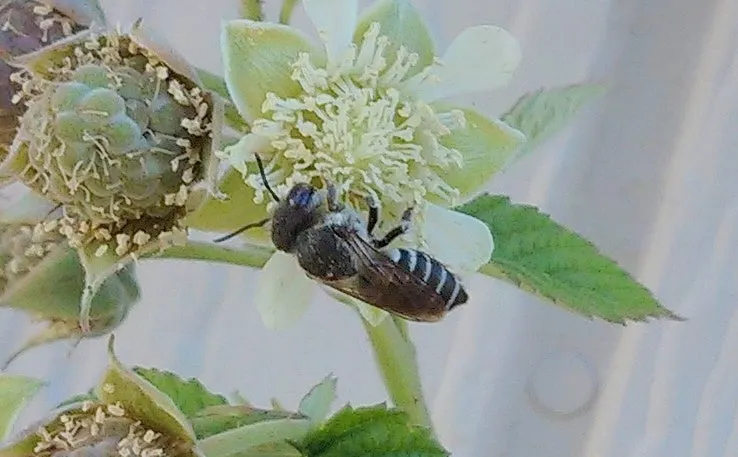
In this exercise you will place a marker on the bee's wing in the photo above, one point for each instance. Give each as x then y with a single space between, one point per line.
382 283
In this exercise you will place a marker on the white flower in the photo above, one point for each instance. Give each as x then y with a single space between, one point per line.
365 112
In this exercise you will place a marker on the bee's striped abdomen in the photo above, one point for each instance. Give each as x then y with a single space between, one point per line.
431 272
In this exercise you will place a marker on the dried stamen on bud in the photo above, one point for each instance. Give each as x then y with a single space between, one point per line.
102 430
22 247
25 26
117 137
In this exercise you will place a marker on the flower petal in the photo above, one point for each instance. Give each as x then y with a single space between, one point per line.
284 292
481 58
257 59
404 26
487 146
335 21
237 210
463 243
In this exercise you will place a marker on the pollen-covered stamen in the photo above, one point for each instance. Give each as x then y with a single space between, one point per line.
355 124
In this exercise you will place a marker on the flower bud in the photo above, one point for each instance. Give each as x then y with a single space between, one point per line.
126 417
118 132
42 276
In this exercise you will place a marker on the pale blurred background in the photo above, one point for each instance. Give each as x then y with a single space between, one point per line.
648 173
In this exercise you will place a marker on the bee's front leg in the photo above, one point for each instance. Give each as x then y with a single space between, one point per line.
397 231
334 205
373 214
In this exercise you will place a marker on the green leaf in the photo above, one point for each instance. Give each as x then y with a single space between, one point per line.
15 393
189 395
142 400
540 256
317 403
373 431
249 438
218 419
541 114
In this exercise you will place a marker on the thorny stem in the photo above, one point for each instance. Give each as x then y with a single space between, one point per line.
252 9
395 355
285 14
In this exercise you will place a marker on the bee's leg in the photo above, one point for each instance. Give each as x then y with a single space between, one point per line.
333 204
373 214
397 231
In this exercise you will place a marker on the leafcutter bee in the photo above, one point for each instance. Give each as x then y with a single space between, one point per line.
336 248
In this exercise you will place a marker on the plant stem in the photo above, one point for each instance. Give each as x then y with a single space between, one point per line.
395 355
247 256
285 13
251 9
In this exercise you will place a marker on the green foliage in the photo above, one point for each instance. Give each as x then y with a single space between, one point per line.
540 256
190 396
316 403
15 393
370 431
541 114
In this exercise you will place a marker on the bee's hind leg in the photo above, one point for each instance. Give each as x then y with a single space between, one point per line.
397 231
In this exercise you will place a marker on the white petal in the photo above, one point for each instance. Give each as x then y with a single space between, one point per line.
480 59
238 154
461 242
284 292
335 21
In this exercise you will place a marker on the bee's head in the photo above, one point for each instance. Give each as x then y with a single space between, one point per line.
298 211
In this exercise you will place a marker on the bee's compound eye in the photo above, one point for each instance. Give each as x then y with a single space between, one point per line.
300 195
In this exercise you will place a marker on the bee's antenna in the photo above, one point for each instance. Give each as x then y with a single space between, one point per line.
241 230
51 211
264 178
261 222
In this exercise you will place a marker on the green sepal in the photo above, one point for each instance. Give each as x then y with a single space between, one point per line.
543 113
141 400
15 393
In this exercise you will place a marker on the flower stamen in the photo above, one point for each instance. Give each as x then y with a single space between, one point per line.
356 124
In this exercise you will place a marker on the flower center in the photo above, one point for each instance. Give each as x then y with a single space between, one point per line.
357 124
